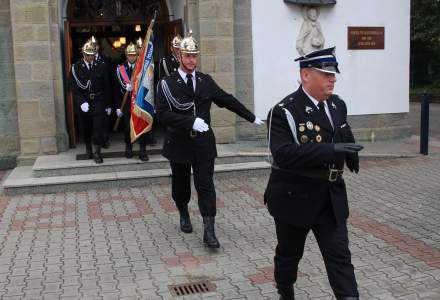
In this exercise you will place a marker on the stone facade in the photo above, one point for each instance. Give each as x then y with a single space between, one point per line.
32 112
9 146
38 77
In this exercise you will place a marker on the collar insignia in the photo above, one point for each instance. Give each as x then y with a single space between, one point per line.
334 105
308 109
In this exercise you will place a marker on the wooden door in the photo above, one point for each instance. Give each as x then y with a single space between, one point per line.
170 30
70 109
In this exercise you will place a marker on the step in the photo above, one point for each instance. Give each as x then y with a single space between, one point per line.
22 181
65 164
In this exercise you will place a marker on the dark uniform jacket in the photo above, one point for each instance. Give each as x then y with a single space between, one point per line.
167 66
179 146
97 92
292 197
120 90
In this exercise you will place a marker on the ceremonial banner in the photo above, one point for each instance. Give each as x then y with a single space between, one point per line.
142 98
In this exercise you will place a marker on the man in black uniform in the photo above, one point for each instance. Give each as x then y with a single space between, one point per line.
183 105
310 140
123 76
90 87
170 63
101 57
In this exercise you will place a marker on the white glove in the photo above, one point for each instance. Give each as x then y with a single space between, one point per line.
85 107
258 122
119 113
108 111
200 125
128 87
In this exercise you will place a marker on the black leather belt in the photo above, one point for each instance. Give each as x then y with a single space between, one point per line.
191 133
329 174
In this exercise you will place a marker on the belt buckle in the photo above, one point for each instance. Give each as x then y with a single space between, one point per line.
333 175
92 96
192 134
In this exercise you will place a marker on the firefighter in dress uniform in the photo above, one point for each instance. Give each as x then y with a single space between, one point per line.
183 106
170 63
90 87
123 76
310 140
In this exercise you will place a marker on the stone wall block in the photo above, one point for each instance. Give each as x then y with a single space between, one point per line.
28 110
47 109
30 13
23 71
36 128
224 135
207 10
208 63
31 52
208 46
224 64
34 90
225 81
30 146
22 33
41 71
7 90
208 28
41 33
7 72
222 117
225 28
49 145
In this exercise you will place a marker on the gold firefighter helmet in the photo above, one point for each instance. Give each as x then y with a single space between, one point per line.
176 41
90 46
131 49
139 43
189 45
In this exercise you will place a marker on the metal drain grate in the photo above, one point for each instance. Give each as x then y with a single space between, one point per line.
192 288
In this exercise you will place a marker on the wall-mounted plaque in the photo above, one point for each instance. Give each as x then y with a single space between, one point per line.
365 38
311 2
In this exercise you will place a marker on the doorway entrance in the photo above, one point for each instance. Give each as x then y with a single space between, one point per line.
114 24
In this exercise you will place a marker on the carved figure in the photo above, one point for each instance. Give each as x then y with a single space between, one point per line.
310 37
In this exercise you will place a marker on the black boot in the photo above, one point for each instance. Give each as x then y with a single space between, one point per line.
97 155
209 237
286 292
143 154
89 151
185 220
128 151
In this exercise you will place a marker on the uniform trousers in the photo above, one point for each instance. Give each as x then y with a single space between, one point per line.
203 173
333 244
93 127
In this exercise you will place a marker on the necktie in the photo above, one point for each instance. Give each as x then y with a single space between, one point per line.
323 114
189 82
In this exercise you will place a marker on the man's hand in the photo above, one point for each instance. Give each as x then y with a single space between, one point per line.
258 121
348 148
108 110
85 107
352 161
128 87
200 125
119 113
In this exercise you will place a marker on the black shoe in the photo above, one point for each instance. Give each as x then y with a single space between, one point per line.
97 155
209 237
89 151
185 220
143 155
128 152
286 292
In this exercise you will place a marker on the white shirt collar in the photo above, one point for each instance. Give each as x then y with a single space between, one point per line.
313 99
183 74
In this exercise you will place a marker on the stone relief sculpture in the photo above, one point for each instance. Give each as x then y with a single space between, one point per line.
310 37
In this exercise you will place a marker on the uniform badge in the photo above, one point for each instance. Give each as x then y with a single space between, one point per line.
317 128
318 138
304 139
334 105
308 109
309 125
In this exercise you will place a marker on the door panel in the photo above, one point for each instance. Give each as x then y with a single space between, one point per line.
70 111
